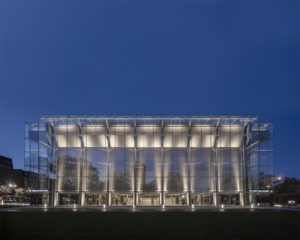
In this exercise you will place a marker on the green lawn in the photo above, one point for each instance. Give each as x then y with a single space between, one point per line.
150 225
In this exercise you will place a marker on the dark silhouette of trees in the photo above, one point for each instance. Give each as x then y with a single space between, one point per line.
288 190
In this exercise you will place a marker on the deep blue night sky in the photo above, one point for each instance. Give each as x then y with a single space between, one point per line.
151 57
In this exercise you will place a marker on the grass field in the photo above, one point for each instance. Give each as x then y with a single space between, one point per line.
150 225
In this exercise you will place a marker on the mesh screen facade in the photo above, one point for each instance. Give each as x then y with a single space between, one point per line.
149 161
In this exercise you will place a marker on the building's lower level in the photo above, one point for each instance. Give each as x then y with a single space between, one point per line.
145 199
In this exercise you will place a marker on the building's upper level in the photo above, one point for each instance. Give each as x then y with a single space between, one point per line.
150 131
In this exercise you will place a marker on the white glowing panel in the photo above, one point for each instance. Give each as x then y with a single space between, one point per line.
230 140
74 141
203 129
176 129
179 141
231 128
67 128
236 140
208 140
175 141
93 128
70 140
168 141
121 140
61 141
223 141
129 141
121 128
148 129
148 141
195 141
98 140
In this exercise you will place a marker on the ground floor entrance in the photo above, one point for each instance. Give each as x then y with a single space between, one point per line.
148 199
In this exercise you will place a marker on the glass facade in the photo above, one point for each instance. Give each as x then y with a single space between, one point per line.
149 161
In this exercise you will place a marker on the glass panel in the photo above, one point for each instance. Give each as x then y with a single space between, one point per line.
122 162
121 183
148 199
202 199
95 199
121 199
68 198
229 199
229 169
175 199
202 184
68 184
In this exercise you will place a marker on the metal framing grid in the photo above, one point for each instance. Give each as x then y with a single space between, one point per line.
249 165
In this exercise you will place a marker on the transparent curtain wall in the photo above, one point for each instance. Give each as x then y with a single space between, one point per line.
149 161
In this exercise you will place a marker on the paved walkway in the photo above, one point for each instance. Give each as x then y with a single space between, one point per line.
139 209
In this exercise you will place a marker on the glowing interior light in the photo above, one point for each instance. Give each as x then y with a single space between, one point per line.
61 141
121 128
148 129
168 141
68 140
94 129
208 141
176 128
120 140
93 140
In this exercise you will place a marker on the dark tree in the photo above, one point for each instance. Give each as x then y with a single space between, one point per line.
288 190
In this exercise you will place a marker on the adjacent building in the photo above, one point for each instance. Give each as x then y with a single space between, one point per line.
139 161
10 178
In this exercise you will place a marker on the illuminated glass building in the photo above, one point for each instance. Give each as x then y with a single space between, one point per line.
149 160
